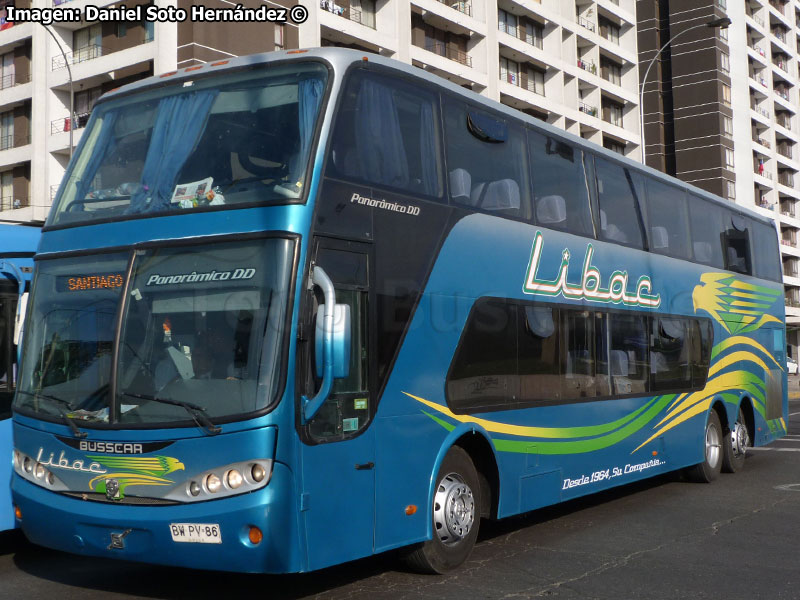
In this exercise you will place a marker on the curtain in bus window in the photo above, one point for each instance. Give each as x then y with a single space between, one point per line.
379 139
309 96
104 146
179 123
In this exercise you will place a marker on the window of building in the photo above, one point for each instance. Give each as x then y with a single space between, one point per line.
610 71
726 94
725 62
727 126
729 158
6 190
534 33
86 43
535 80
612 112
8 73
278 34
730 189
609 30
509 70
7 130
507 22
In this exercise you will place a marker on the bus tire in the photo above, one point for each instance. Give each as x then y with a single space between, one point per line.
456 514
735 445
708 470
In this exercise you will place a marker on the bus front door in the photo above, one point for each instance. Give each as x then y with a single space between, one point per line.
338 496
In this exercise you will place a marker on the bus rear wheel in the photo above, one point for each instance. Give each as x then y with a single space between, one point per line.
456 512
708 470
735 445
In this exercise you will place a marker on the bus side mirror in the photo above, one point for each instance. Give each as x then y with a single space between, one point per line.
340 341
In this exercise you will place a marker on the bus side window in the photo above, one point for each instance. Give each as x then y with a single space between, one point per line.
617 198
705 219
486 161
386 135
560 189
765 239
736 242
667 219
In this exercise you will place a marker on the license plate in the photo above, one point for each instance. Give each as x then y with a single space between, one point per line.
197 533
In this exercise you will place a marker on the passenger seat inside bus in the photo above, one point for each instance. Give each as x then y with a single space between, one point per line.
551 210
502 194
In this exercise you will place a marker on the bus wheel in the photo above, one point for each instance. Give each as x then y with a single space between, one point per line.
707 471
456 514
735 446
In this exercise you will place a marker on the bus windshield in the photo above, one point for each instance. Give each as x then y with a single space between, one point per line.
198 326
216 142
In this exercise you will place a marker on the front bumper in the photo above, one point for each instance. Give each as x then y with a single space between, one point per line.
85 527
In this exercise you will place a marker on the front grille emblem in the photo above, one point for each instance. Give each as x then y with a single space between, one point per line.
118 540
112 489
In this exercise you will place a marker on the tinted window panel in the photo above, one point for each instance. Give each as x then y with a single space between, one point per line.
484 173
561 193
484 371
706 225
539 356
766 256
386 136
736 244
579 379
671 354
618 217
667 220
703 339
628 355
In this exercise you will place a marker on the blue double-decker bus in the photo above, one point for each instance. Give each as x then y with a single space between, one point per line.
17 248
294 309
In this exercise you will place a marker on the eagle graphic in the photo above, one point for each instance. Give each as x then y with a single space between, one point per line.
737 306
134 470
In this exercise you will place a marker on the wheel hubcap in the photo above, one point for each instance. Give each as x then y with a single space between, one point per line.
453 509
740 439
712 446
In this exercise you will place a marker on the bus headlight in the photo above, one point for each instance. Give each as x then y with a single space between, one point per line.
36 472
213 483
234 479
224 481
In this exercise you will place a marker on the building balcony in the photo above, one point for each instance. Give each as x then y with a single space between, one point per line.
364 17
442 49
531 84
464 7
14 202
586 24
588 66
587 109
60 125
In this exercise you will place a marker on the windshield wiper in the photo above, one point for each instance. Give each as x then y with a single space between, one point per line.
76 431
198 413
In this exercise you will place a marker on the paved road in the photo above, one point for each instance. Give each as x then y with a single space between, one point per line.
734 539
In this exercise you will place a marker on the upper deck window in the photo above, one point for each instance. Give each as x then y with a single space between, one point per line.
226 141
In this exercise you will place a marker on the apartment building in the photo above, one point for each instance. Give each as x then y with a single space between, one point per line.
720 110
572 63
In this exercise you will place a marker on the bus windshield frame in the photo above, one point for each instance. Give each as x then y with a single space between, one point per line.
234 141
125 353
